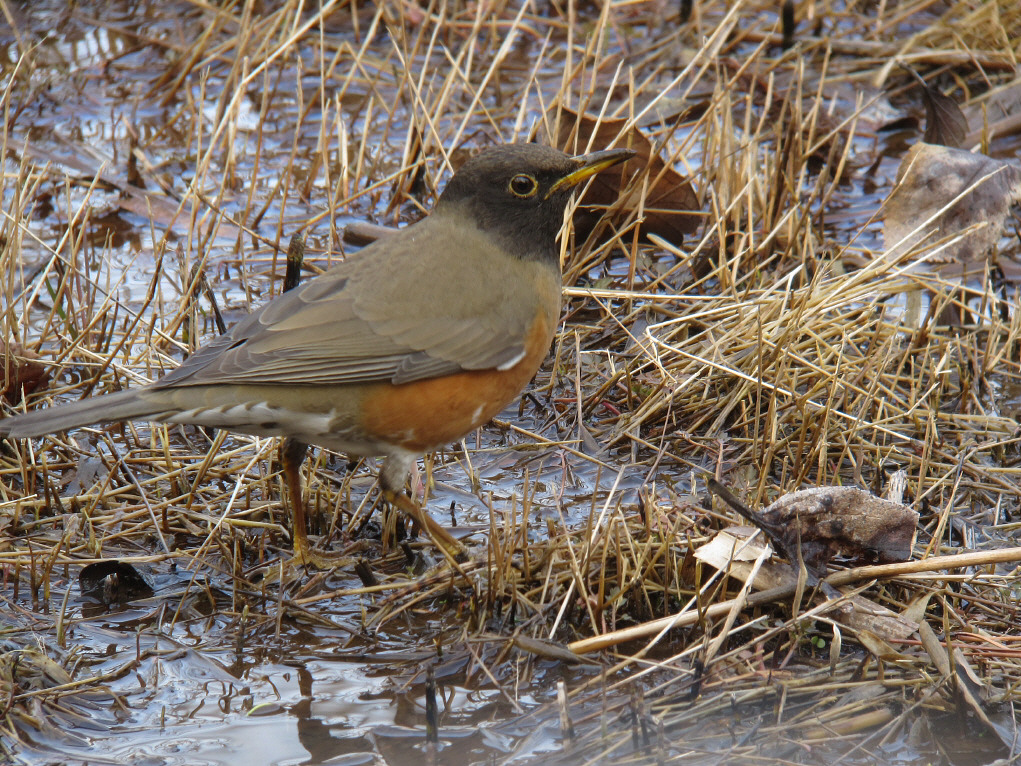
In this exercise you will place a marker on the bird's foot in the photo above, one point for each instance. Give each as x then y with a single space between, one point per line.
449 545
307 556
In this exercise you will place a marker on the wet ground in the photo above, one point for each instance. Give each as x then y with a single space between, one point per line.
116 125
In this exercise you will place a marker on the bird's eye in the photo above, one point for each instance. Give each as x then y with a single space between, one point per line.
523 185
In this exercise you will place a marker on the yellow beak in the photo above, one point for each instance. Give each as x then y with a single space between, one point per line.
589 165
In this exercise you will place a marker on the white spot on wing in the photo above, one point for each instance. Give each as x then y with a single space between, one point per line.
477 414
511 362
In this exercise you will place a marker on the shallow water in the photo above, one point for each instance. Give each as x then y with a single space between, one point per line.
205 672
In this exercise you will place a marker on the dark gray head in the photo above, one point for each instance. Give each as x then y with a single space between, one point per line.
518 193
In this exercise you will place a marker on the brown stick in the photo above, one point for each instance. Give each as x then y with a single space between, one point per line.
843 577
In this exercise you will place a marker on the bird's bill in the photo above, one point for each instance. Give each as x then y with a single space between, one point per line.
590 164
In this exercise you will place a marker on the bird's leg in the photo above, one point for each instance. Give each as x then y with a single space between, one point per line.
391 479
449 544
292 455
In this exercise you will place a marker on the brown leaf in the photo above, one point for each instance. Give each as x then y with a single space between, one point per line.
732 552
879 647
843 521
960 192
21 373
113 582
945 123
547 649
670 208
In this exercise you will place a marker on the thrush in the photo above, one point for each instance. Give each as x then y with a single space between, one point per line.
412 343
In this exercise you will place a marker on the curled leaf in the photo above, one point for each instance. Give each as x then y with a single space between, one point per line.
846 522
20 372
113 582
945 123
669 206
942 193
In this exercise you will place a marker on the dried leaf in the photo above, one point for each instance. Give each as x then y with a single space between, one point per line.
113 582
865 616
945 123
935 649
880 648
670 208
20 373
843 521
548 650
929 182
732 551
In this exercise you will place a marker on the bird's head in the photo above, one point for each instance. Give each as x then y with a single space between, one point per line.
518 193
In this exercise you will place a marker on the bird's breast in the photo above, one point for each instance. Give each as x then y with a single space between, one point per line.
426 414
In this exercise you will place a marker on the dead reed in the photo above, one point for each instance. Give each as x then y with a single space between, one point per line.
774 348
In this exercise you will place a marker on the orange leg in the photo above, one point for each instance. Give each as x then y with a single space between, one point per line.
436 532
292 454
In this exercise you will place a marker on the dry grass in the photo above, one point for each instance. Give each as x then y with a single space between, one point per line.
751 352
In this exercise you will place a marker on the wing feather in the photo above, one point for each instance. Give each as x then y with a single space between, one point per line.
367 320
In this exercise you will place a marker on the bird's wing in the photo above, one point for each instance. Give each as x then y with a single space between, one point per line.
364 322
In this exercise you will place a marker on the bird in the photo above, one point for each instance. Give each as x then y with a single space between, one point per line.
406 346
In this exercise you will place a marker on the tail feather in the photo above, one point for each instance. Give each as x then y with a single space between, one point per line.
124 405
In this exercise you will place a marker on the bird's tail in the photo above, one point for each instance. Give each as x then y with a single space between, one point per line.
124 405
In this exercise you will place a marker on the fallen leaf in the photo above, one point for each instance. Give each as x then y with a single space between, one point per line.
113 582
942 192
548 650
22 373
669 208
945 123
732 551
820 523
846 522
